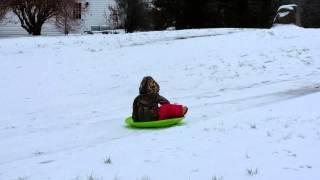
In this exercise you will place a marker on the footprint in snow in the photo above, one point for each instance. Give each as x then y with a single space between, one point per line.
305 166
46 162
38 153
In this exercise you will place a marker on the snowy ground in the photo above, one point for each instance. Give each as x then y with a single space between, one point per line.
253 98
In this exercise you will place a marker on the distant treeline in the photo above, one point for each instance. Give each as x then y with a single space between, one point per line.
182 14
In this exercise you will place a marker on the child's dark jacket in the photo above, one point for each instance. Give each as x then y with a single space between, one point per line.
146 105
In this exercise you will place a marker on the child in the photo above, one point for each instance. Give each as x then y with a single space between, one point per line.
146 105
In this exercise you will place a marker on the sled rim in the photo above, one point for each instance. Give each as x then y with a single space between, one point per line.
154 124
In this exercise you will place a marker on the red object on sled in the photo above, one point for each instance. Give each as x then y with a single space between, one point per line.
168 111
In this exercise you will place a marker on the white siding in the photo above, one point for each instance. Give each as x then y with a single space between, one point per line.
94 14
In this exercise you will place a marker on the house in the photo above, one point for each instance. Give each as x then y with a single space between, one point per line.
90 14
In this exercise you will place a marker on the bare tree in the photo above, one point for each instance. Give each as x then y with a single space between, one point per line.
118 13
2 14
3 9
114 18
34 13
68 16
132 15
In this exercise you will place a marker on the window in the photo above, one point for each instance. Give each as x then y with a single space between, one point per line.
77 11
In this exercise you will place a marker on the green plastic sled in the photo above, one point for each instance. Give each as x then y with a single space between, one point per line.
153 124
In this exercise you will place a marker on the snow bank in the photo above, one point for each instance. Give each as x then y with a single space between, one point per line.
290 7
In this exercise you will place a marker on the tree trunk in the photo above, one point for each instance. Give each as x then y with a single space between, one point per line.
36 33
36 30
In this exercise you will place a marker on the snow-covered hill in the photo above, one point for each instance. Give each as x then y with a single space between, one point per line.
253 98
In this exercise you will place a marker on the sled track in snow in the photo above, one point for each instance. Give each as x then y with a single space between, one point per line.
233 106
249 102
273 97
181 38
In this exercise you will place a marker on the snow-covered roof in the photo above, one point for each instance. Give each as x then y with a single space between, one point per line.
288 7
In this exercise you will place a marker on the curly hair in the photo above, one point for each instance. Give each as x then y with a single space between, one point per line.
149 86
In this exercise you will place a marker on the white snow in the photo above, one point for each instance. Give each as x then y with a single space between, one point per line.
288 7
253 98
283 14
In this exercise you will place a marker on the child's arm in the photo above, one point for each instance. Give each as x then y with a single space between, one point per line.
163 100
135 109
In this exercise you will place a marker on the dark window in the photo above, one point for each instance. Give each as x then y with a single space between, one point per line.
77 11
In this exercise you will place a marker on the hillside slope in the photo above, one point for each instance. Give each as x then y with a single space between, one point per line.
253 99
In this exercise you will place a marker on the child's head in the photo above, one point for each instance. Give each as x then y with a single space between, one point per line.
149 86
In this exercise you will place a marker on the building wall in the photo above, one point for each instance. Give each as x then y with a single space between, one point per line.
94 14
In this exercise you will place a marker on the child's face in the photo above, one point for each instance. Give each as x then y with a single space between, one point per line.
153 87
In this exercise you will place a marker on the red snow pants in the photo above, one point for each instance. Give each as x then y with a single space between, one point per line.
168 111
